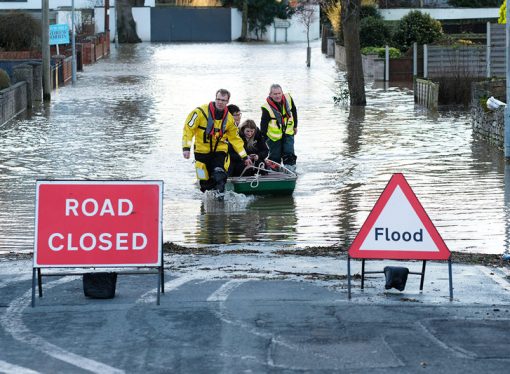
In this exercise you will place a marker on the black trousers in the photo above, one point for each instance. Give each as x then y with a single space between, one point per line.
212 161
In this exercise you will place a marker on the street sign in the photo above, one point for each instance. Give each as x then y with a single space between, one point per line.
398 228
281 23
98 223
59 34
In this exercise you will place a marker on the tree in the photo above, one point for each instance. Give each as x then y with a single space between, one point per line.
374 32
244 28
260 13
19 31
350 27
417 27
126 25
502 13
331 9
306 14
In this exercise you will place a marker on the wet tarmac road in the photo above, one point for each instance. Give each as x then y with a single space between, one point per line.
217 319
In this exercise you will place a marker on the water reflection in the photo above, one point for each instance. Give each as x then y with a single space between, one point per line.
507 207
261 219
347 196
123 120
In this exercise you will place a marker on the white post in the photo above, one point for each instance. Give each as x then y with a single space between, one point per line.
488 54
415 59
387 64
425 61
73 44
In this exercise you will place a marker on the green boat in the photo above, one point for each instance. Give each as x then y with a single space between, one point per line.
276 181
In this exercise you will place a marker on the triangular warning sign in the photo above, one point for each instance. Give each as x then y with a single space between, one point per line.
399 228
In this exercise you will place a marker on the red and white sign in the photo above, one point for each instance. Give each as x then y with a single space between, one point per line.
398 228
98 223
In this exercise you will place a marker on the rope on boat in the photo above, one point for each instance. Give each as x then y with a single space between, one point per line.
255 183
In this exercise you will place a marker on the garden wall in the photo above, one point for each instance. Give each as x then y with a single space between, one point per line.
13 101
488 124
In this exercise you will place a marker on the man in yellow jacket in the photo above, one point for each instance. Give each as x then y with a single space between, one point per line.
212 126
278 125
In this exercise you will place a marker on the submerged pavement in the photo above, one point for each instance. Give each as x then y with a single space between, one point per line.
254 313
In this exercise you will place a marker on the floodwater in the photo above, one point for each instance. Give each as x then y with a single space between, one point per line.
124 117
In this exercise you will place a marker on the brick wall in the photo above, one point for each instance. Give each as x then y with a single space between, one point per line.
88 54
16 55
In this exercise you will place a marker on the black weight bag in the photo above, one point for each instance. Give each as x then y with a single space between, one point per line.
396 277
99 285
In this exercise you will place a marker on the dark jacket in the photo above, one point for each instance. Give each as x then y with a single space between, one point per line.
259 148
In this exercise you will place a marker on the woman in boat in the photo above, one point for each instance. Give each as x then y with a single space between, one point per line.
254 145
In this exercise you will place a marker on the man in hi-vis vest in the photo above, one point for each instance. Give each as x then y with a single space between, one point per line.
279 125
212 125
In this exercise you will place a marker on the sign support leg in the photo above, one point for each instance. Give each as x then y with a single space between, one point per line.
363 274
349 276
422 274
162 279
39 280
33 287
450 278
162 267
159 286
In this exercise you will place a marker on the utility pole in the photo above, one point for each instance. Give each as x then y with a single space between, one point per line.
45 41
106 16
73 44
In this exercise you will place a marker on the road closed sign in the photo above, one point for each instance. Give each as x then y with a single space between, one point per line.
98 223
398 228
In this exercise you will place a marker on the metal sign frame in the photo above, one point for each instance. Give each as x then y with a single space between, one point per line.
422 274
355 251
153 268
281 24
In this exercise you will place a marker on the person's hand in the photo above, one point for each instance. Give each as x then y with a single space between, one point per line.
186 154
295 130
254 157
248 162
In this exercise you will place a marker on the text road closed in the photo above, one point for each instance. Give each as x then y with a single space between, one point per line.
98 223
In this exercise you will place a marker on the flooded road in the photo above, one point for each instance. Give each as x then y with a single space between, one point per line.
124 119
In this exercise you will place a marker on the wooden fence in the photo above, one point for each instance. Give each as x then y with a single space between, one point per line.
426 93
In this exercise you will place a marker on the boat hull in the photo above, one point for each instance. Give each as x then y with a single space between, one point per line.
262 186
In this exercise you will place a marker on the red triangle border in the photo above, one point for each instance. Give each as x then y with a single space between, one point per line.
398 180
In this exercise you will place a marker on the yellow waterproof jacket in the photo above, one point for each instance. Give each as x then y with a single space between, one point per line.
213 139
280 122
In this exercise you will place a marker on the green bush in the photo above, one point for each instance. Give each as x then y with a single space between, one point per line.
380 52
19 31
369 11
4 79
373 32
417 27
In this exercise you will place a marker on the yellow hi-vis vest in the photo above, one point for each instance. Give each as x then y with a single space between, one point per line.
196 125
274 130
